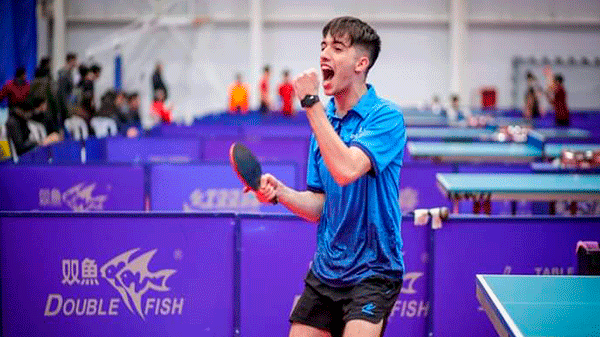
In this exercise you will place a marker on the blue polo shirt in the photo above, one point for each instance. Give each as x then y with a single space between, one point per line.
358 234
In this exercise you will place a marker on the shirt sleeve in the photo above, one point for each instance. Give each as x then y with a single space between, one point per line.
313 179
382 139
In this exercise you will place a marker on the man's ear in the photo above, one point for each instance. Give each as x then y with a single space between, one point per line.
362 64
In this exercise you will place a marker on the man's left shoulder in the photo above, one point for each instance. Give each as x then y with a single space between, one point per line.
386 109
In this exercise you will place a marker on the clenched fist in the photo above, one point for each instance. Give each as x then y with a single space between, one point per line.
306 83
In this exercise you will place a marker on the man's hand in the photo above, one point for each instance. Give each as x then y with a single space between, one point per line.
269 186
306 83
52 138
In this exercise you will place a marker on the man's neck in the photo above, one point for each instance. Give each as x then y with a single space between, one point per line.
349 97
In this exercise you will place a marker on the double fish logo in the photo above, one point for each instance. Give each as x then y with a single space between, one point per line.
79 198
132 279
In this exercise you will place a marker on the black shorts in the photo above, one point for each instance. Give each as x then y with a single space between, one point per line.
330 308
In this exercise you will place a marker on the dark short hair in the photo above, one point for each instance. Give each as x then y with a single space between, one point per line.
559 78
42 72
20 72
33 103
530 76
96 68
132 96
83 70
45 62
454 97
286 72
358 32
71 57
267 68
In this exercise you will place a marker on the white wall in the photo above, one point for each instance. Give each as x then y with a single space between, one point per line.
413 64
491 50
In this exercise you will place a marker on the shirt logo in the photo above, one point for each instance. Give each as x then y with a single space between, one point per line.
367 309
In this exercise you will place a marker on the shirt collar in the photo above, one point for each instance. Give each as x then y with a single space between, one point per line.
362 108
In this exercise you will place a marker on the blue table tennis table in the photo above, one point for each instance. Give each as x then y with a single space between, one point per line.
531 305
485 187
486 134
491 152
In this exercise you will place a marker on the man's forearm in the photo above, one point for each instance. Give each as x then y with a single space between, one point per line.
338 157
306 204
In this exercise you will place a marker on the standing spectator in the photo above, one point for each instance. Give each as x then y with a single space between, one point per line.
557 96
65 87
157 80
532 103
43 87
162 112
265 97
238 96
16 90
85 103
286 93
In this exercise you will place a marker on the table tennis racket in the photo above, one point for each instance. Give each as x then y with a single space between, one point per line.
246 166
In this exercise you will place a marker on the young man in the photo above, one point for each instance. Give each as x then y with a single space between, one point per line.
286 93
353 178
66 84
265 98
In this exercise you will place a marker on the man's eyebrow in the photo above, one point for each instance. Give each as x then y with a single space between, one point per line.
335 41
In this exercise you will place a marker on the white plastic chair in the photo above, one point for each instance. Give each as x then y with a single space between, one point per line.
77 127
37 131
104 126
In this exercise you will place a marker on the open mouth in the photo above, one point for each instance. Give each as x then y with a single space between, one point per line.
327 74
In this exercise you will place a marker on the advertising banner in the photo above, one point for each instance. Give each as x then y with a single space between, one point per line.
117 275
210 187
78 188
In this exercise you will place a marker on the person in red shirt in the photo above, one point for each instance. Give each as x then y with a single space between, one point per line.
162 112
558 97
265 99
286 93
16 90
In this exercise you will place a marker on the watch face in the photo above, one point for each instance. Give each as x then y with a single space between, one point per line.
309 100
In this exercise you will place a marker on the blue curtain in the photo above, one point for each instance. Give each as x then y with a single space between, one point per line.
18 35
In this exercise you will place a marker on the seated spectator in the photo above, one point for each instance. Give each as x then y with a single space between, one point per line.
128 119
18 130
238 96
455 112
108 105
16 90
161 113
436 106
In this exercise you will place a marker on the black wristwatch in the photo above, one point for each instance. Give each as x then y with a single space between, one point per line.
309 100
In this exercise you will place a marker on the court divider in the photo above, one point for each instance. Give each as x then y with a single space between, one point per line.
228 274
